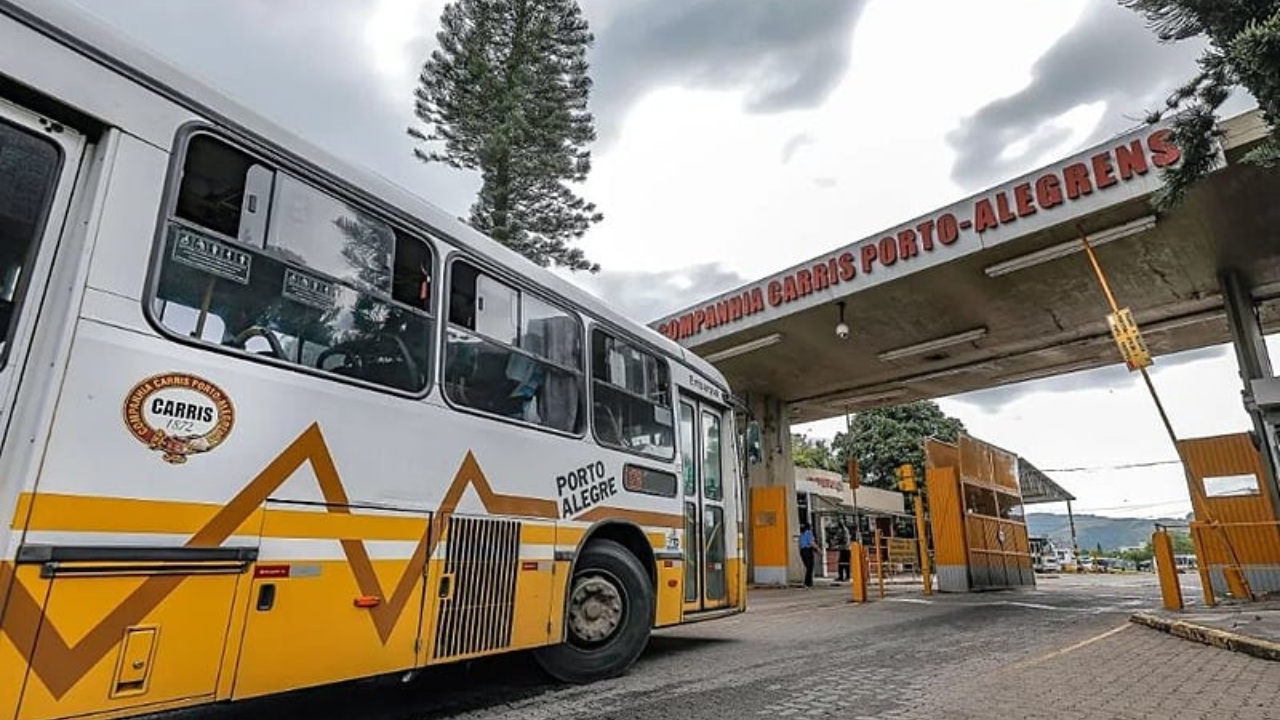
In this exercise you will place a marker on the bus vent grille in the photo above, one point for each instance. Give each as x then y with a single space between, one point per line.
483 556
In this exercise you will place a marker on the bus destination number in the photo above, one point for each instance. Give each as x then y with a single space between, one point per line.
584 487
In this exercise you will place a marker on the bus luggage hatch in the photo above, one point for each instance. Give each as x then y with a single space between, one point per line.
114 628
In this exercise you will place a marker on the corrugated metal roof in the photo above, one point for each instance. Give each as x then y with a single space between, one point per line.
1038 487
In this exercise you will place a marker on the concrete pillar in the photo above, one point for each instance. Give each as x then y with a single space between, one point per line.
1255 364
777 469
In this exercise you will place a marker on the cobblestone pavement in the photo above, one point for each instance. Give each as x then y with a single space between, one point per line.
1065 650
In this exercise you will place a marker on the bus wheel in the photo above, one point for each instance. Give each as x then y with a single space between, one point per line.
607 619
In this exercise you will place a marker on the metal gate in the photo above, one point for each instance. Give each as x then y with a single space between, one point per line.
976 509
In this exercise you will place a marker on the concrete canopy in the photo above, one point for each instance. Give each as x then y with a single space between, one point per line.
931 311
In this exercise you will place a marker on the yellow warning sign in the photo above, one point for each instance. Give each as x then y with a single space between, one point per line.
1129 339
902 550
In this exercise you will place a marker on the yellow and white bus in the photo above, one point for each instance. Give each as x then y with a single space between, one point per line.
271 422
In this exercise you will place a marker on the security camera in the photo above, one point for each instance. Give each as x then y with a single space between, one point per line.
842 331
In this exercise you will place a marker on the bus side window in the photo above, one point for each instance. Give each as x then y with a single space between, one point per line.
264 264
510 354
631 392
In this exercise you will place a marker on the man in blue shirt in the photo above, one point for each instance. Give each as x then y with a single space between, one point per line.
808 549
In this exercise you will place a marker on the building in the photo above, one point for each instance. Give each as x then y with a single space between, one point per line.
825 501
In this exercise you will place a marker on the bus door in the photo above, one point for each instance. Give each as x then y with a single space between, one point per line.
39 160
702 447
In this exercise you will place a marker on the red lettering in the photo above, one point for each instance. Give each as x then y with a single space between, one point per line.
1002 209
722 312
663 329
1076 178
775 293
888 251
789 292
735 308
926 234
686 325
1104 175
868 257
907 247
699 320
821 281
1163 150
1048 192
847 270
1131 160
712 319
806 282
984 217
757 301
949 228
1022 199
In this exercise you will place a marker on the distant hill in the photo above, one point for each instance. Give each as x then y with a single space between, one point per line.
1111 533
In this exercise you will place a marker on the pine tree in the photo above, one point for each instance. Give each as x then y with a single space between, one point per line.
506 94
1244 50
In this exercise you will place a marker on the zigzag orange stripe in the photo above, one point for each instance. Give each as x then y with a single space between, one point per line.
60 665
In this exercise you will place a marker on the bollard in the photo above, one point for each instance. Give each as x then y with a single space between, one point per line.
1206 581
880 553
858 572
1167 570
922 545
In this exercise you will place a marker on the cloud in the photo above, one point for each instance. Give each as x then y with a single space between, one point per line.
787 55
314 73
648 296
793 145
1110 378
1109 59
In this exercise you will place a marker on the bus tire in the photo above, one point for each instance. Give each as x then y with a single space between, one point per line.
608 616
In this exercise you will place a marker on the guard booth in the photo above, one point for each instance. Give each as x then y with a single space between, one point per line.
975 503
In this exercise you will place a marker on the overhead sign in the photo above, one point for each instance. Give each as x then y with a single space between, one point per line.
1129 339
1112 173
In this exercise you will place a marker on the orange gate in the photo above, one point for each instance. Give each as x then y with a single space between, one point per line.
975 501
1235 531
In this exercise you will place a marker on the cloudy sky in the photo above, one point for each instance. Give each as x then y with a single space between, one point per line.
738 137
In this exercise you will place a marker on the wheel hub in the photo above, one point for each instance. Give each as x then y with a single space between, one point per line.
595 609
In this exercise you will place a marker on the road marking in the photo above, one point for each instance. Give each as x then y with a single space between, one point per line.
917 601
1071 648
1039 606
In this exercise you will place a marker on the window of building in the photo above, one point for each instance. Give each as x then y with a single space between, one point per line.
257 261
980 500
631 393
511 354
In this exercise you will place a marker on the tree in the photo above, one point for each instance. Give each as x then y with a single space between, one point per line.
808 453
885 438
506 94
1244 50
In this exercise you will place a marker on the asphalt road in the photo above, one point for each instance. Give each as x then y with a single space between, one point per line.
1064 650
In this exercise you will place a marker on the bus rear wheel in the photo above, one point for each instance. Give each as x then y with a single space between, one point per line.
607 618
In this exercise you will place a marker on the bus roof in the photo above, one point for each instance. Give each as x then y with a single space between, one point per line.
74 27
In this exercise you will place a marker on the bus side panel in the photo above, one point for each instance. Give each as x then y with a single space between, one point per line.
18 631
492 586
336 595
109 641
669 592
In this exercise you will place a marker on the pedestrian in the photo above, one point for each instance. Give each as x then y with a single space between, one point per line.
808 548
842 545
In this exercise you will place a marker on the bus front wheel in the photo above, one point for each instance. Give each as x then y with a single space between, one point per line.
607 618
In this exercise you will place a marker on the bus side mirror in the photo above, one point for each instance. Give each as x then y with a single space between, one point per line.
754 455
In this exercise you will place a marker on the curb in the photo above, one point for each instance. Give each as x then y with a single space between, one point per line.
1256 647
